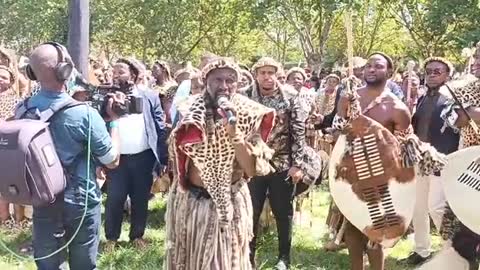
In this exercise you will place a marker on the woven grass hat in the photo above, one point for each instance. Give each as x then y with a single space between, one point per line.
442 60
358 62
297 70
332 75
266 62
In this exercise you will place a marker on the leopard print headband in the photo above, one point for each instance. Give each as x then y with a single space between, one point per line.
221 63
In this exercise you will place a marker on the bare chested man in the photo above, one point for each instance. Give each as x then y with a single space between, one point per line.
378 103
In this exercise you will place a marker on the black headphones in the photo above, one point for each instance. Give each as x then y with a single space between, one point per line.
63 69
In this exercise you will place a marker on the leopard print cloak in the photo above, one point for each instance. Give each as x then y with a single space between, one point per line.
467 91
205 143
8 102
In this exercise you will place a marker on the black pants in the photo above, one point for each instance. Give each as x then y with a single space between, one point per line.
466 242
279 194
133 177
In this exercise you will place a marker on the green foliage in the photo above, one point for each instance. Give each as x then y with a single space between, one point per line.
25 22
296 31
438 27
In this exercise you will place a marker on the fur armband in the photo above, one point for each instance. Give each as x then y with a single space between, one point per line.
262 153
416 152
341 123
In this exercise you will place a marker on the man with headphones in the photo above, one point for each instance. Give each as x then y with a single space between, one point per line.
143 152
72 129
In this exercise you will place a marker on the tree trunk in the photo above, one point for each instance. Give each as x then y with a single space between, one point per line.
78 34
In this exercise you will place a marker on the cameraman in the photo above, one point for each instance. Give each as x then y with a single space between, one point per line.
143 151
56 223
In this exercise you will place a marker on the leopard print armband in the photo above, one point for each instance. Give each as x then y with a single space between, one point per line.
403 135
450 116
415 152
340 123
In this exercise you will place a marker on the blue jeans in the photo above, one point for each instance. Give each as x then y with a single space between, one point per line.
55 224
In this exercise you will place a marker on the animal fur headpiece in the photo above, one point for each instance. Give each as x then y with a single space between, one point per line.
450 68
266 62
221 62
297 70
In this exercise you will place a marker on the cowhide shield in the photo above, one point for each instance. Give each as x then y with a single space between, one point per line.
461 180
368 183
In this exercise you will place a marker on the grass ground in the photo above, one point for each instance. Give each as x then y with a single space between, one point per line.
307 253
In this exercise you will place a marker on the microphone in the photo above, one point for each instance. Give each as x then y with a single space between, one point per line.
232 120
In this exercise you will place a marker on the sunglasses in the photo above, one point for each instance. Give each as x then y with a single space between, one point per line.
435 72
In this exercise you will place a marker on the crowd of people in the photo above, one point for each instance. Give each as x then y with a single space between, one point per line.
221 139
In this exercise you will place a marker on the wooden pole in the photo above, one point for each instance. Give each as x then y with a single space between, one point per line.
79 34
349 30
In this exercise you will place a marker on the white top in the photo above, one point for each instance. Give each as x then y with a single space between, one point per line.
133 134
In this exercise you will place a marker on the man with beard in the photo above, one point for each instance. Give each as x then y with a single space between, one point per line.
209 208
143 153
378 103
288 141
429 127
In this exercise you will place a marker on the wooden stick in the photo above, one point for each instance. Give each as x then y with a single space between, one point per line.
341 232
349 30
410 66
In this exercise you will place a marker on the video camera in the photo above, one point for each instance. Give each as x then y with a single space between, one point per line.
98 97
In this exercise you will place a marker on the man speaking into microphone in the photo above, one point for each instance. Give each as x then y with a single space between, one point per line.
209 208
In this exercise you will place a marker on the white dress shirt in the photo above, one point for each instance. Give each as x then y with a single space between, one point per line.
133 133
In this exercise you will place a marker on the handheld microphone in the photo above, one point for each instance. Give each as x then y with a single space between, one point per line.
232 120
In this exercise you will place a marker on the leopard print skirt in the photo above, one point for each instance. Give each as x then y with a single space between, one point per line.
195 239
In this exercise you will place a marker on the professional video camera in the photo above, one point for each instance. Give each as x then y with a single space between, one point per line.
98 97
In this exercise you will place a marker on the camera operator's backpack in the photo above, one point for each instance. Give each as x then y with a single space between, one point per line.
30 171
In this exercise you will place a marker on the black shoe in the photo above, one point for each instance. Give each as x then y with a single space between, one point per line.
282 265
415 259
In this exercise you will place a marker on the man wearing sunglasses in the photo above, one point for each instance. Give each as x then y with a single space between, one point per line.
429 127
464 252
